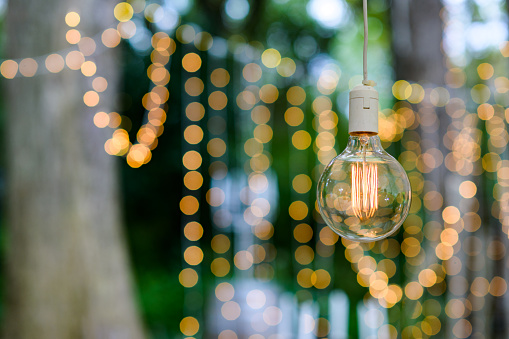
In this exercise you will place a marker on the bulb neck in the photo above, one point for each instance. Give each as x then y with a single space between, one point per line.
364 142
363 111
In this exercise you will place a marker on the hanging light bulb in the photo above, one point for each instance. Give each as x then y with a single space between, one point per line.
364 193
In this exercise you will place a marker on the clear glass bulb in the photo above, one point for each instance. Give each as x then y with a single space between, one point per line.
364 193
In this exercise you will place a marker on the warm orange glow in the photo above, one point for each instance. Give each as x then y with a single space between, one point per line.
9 68
296 95
28 67
194 86
193 255
126 29
99 84
159 75
115 120
294 116
101 119
87 46
269 93
91 98
364 190
73 36
220 267
110 38
54 63
157 117
123 11
189 325
252 72
188 277
88 68
72 19
191 62
74 60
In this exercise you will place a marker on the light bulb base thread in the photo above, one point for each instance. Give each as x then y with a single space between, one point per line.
363 111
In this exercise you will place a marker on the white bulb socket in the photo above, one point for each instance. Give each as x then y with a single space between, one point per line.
363 111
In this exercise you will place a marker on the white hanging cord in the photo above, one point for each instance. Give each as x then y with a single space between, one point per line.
365 55
365 51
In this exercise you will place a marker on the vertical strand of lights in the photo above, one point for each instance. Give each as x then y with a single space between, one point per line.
244 189
422 157
300 184
502 87
417 251
442 176
325 152
476 267
325 124
254 112
402 135
249 217
260 163
432 275
300 187
221 183
476 157
273 315
461 209
237 264
399 128
499 246
481 267
494 163
451 246
191 275
392 124
260 196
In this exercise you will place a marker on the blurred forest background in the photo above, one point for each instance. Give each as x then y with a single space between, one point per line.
162 156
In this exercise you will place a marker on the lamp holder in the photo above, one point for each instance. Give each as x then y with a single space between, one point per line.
363 110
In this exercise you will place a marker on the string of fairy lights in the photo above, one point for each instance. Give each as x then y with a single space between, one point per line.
255 103
192 117
442 237
301 184
222 218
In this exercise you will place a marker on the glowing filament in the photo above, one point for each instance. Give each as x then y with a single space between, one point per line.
364 190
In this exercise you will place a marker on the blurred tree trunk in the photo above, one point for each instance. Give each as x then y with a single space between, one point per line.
417 38
67 273
417 30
